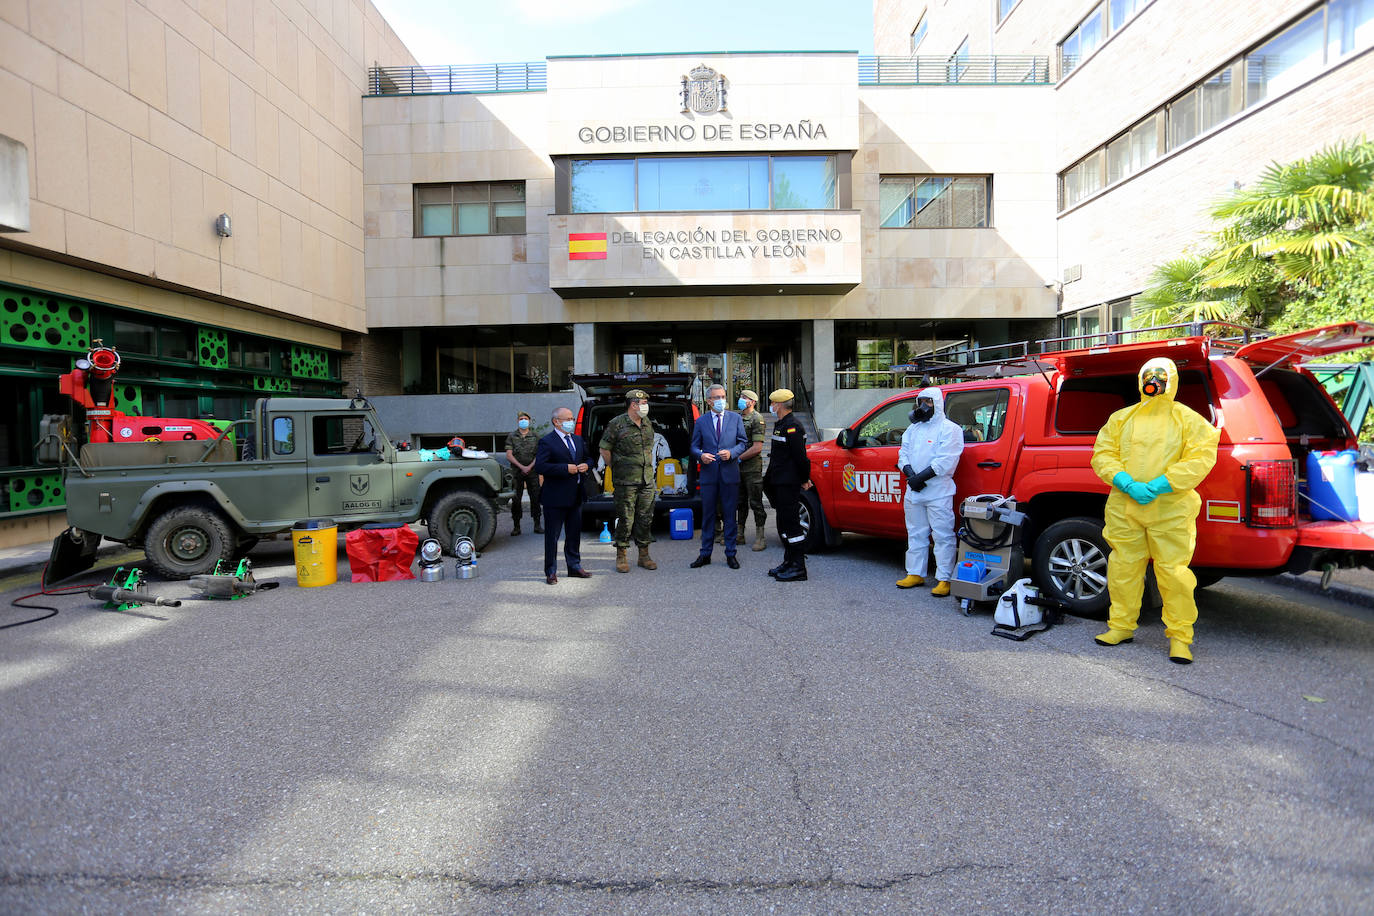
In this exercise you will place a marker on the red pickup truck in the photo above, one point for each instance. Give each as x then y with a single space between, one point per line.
1032 436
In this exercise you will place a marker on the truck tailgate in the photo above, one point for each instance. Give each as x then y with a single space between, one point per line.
1332 535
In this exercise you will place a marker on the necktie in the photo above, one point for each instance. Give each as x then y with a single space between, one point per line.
717 429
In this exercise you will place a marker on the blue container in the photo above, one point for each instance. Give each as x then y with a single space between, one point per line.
970 571
680 524
1331 485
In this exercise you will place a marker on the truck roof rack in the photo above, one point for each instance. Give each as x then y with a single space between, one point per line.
1024 357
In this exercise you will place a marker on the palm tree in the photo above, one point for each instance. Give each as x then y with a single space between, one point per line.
1280 239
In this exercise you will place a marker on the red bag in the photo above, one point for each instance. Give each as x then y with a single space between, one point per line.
381 554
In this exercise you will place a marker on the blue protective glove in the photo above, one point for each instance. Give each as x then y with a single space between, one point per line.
1160 485
1122 480
1140 492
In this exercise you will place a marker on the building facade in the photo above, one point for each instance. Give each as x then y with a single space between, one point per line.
129 128
761 220
1161 107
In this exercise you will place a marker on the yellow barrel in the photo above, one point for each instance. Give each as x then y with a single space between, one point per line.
316 543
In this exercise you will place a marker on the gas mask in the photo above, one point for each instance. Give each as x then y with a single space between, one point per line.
925 409
1154 381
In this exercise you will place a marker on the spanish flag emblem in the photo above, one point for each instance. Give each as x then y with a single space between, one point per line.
586 246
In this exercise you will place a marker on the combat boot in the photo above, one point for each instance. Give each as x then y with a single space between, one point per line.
515 528
622 562
796 572
780 567
760 541
646 561
538 526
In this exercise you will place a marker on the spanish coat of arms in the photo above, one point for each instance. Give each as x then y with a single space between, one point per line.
703 91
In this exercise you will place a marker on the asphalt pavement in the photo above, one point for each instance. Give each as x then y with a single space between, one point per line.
677 741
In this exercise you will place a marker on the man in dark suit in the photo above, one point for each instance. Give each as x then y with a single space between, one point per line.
561 459
717 442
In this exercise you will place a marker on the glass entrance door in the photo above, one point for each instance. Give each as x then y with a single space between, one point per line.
744 372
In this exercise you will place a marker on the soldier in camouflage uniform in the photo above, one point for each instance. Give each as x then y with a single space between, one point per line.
520 448
627 448
751 469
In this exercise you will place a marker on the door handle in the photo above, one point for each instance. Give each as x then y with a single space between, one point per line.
321 480
989 464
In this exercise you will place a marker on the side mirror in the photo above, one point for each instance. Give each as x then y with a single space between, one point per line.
846 438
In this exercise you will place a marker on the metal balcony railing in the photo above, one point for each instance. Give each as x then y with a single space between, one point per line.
1000 69
519 77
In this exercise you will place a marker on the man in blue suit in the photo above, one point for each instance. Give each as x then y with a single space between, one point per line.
717 442
561 459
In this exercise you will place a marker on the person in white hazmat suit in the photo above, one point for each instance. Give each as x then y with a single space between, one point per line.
930 452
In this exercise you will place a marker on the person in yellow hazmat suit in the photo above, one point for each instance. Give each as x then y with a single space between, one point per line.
1153 454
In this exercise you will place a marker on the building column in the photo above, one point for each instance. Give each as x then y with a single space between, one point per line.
584 348
822 352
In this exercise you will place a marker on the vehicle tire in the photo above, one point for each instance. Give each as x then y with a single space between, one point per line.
1071 566
812 522
188 541
1207 577
463 512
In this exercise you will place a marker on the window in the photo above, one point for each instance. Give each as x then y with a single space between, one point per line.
470 208
496 360
135 337
918 34
1004 7
283 436
1349 27
1183 119
958 61
1285 61
343 434
1218 100
933 202
688 183
981 414
804 183
603 185
1083 179
886 426
1095 28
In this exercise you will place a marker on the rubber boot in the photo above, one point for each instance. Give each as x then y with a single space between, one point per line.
1179 653
1114 637
910 581
646 561
760 541
940 590
622 562
794 572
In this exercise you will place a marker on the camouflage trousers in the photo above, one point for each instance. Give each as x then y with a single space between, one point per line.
751 497
634 510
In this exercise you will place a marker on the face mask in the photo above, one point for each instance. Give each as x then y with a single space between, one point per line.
718 405
1154 383
567 426
524 424
742 404
643 410
773 409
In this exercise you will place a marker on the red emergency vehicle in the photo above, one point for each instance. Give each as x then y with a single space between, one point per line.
1031 436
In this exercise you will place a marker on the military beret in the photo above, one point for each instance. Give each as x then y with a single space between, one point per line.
751 394
782 394
636 394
